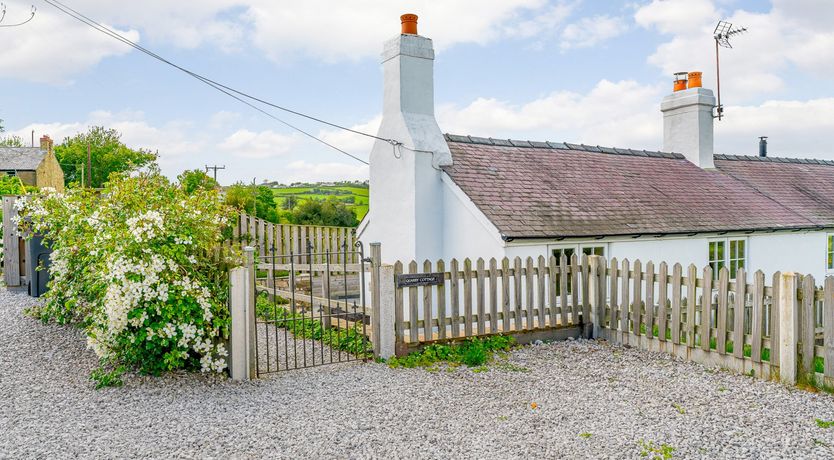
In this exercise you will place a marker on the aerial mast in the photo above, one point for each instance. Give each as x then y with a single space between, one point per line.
722 34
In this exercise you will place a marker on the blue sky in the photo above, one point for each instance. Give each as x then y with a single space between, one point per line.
579 71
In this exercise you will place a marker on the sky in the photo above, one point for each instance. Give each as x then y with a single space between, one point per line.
580 71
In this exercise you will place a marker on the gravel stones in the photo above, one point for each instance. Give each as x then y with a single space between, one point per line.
592 400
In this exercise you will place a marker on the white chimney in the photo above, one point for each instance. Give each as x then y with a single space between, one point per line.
406 192
688 120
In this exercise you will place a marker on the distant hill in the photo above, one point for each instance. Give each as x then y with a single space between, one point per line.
353 194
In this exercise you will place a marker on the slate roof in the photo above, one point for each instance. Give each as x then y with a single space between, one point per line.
21 158
559 190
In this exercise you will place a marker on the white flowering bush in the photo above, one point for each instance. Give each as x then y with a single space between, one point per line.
136 266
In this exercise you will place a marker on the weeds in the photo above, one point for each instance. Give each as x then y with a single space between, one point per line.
473 352
825 423
655 452
679 408
107 378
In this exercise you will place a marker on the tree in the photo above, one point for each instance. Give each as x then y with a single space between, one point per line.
324 212
290 202
107 152
259 201
195 179
10 141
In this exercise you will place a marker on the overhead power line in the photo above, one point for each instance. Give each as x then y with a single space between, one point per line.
227 90
3 16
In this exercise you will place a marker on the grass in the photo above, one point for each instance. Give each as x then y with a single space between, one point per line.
350 340
654 451
473 352
825 423
358 194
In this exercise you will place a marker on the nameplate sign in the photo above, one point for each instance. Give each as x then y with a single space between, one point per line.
419 279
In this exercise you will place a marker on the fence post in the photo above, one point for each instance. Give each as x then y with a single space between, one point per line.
242 363
788 327
592 326
376 308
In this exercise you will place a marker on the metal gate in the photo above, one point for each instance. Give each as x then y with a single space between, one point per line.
311 309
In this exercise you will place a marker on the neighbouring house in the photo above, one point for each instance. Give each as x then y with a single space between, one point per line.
443 196
35 166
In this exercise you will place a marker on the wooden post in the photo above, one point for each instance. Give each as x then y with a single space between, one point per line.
242 363
376 258
592 324
788 307
828 333
384 309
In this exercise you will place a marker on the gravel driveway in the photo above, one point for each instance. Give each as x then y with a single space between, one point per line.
593 401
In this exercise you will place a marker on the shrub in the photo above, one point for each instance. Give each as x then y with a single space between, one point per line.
473 352
134 266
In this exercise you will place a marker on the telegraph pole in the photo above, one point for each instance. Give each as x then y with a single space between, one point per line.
89 168
215 168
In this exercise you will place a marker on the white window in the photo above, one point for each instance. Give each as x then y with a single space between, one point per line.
727 252
568 251
830 253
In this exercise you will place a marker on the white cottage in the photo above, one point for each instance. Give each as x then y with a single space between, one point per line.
443 196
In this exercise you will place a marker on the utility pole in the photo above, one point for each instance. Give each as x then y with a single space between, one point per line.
89 168
215 168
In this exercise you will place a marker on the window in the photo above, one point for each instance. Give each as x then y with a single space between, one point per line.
830 253
594 250
11 173
736 256
719 257
568 252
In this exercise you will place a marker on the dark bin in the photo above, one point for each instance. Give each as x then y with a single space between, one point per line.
36 255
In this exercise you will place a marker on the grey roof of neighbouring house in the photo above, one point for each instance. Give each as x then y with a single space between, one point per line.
559 190
21 158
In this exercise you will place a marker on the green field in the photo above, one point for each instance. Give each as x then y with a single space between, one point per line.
323 192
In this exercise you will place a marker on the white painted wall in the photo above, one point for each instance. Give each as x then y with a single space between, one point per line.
466 231
406 193
801 252
688 125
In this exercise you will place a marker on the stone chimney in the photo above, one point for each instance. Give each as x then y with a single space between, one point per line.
688 120
46 143
406 192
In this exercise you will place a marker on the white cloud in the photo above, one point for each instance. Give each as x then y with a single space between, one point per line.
543 23
336 31
592 31
621 113
303 171
352 142
676 16
171 139
791 34
795 128
52 48
258 145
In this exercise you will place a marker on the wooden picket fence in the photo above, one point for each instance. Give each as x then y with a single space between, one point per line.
508 297
310 242
714 320
736 326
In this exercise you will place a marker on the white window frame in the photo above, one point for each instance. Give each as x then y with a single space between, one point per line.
577 248
728 259
828 268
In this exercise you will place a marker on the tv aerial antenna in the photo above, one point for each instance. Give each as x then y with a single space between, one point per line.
3 16
722 34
